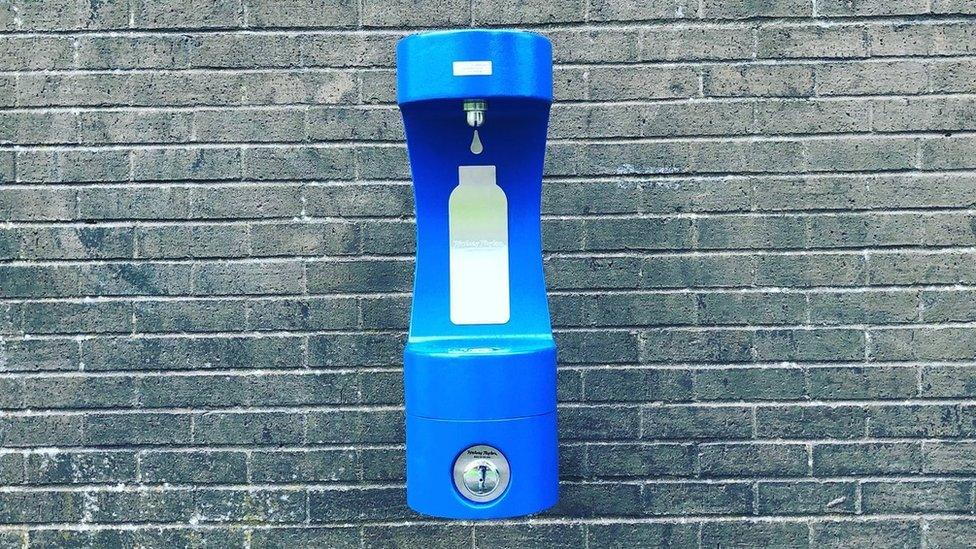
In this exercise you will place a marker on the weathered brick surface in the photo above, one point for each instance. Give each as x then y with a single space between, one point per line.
759 220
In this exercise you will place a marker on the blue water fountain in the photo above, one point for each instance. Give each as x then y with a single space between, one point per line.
480 362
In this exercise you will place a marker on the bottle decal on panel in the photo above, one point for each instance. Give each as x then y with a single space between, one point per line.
478 227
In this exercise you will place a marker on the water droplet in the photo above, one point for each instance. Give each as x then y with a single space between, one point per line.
476 146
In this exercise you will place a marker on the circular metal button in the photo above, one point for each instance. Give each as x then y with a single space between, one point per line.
481 473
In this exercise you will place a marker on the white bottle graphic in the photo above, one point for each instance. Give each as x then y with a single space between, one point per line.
478 220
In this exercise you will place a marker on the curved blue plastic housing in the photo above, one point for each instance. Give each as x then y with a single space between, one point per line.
472 384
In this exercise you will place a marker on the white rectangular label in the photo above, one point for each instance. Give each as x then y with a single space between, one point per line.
472 68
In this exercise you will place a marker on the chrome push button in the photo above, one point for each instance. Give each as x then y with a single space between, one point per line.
481 473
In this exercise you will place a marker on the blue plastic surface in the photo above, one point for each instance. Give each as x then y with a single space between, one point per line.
489 384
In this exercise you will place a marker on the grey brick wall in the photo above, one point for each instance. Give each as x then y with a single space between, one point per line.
760 232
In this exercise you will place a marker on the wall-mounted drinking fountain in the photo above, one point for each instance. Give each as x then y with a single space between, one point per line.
480 362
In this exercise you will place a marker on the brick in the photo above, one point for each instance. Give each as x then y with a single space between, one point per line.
317 88
600 347
921 421
61 14
952 75
812 41
160 51
355 426
385 312
696 346
608 10
200 241
691 422
54 90
357 505
921 344
360 200
249 125
891 533
246 52
315 239
622 83
72 166
599 423
176 353
758 81
628 534
589 500
349 50
308 389
752 460
149 203
389 237
755 534
868 308
901 39
806 116
31 508
303 314
840 8
947 153
186 164
948 458
871 78
48 430
810 344
806 498
943 533
260 428
180 89
345 350
698 272
348 123
57 467
297 163
806 422
276 277
912 114
38 355
183 13
12 469
28 128
519 535
133 127
104 429
897 268
189 316
435 536
749 384
130 279
305 466
918 496
79 392
92 317
640 460
254 201
264 506
729 9
701 43
636 385
197 391
750 233
575 273
863 383
574 46
727 308
192 467
733 499
399 13
306 536
534 11
860 154
873 458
